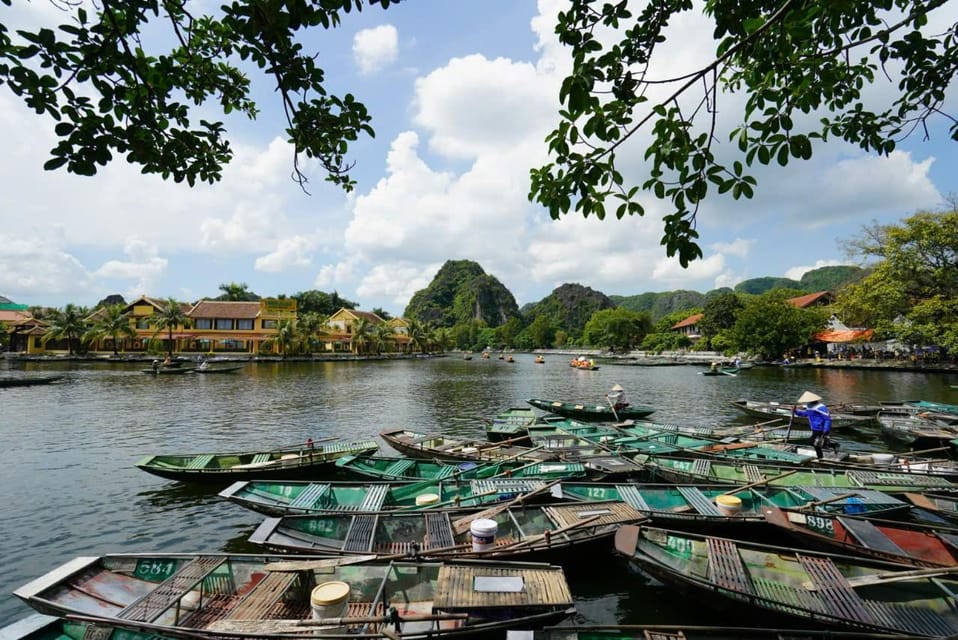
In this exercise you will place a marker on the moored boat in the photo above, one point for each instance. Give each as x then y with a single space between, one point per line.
528 530
219 596
220 369
403 469
298 461
7 381
511 425
783 410
592 412
443 447
832 590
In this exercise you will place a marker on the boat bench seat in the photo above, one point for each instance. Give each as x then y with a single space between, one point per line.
725 566
260 458
837 597
446 471
307 497
398 467
699 501
263 596
870 536
375 498
753 473
152 605
360 534
438 531
632 497
200 462
701 467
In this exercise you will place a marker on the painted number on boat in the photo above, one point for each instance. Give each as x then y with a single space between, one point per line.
154 570
819 523
681 547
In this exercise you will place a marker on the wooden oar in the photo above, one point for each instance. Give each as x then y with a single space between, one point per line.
892 576
416 507
741 488
311 565
541 536
261 627
612 406
462 524
509 472
818 503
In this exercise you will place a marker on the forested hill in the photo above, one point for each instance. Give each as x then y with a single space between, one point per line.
460 293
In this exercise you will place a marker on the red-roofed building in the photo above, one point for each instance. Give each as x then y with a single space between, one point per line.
689 327
820 299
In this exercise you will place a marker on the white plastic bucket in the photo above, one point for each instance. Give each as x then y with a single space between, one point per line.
729 505
483 534
329 600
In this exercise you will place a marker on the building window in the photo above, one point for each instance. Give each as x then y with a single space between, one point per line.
246 325
224 323
270 324
143 323
204 323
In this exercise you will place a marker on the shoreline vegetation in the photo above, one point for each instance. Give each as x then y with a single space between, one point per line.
633 358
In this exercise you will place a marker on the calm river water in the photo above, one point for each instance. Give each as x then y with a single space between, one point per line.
68 486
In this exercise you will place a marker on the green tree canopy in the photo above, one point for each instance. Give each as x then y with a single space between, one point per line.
112 92
236 292
790 60
67 324
168 318
912 292
769 326
719 313
113 323
617 328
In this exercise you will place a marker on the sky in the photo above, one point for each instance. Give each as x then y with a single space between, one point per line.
462 96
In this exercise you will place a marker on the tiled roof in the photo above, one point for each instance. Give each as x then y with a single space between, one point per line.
688 322
224 309
851 335
803 301
13 315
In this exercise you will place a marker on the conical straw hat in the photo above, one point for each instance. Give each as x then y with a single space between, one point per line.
808 396
617 387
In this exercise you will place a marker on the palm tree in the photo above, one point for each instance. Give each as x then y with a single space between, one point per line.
442 337
67 323
285 338
308 326
112 323
169 318
418 333
361 332
237 292
383 337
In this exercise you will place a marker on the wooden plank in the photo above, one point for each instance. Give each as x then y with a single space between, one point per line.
699 501
725 566
870 536
360 534
834 591
264 595
153 604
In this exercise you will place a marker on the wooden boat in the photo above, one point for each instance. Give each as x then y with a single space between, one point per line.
911 544
689 632
38 626
279 498
915 429
28 381
784 410
168 370
832 590
540 359
299 461
485 355
228 369
220 596
441 447
511 425
704 471
510 359
716 505
583 364
467 355
721 371
520 531
592 412
413 469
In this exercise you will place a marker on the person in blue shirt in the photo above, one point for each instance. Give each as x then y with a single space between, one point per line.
818 418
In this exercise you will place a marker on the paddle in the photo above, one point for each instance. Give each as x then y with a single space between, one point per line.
891 576
788 431
541 536
741 488
612 406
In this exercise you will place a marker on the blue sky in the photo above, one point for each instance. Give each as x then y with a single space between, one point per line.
462 94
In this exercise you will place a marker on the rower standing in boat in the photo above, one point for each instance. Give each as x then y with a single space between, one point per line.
818 418
617 397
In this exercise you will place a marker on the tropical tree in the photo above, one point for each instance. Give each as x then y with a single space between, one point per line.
803 69
718 314
113 323
4 336
419 335
168 318
67 324
308 328
237 292
617 328
383 337
770 326
327 304
911 292
362 331
286 338
441 337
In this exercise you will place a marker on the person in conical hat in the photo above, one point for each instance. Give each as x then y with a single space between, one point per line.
617 397
819 419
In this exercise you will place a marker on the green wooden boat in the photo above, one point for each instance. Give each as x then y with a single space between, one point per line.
168 371
299 461
304 497
520 531
592 412
704 471
395 469
438 446
43 627
707 506
690 632
721 371
219 596
821 589
8 381
511 425
783 410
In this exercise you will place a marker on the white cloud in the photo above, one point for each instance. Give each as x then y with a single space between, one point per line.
291 252
796 273
375 48
398 282
40 264
738 247
145 266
